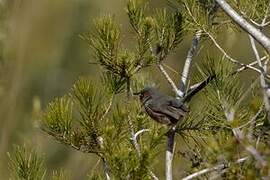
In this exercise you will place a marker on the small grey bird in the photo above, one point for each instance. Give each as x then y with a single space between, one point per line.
163 109
166 109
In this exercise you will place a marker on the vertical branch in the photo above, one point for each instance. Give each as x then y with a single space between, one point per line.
131 127
186 69
171 133
106 169
169 154
180 93
264 85
133 136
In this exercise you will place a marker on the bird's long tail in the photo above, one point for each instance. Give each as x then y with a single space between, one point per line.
198 88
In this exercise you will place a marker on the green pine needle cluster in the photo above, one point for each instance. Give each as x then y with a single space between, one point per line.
26 164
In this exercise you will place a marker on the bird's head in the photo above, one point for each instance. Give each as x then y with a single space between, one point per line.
146 93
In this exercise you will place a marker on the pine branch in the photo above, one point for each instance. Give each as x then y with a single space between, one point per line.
211 169
245 25
265 87
26 164
229 57
239 136
217 44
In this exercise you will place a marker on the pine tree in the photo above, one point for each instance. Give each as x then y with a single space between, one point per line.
226 133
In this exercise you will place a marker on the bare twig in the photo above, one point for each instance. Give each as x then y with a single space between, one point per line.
245 25
107 109
259 25
132 132
229 57
211 169
171 69
138 149
169 154
138 133
162 70
249 148
134 139
234 72
216 43
264 85
186 69
250 64
106 168
252 120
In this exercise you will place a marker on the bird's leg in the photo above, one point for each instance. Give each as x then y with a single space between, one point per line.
171 130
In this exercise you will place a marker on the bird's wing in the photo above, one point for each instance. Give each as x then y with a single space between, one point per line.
170 108
178 103
176 108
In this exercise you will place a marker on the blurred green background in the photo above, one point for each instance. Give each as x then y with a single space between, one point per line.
43 56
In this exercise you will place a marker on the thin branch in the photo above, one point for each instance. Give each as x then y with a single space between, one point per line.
134 139
266 15
253 119
264 85
138 149
229 57
106 168
132 132
214 168
138 133
250 64
216 43
171 69
233 73
239 136
170 81
249 148
169 154
259 25
187 66
107 109
245 25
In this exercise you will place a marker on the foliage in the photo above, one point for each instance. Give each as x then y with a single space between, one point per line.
103 118
26 164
